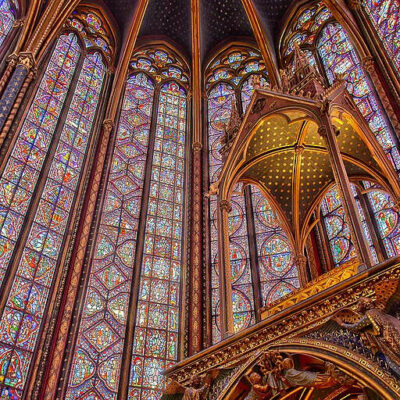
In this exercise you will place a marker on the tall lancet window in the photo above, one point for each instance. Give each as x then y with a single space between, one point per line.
255 255
385 18
141 229
53 142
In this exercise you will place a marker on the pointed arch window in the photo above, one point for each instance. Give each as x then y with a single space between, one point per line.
141 228
255 255
53 143
385 18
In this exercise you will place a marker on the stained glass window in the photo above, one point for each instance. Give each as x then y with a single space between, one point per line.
386 217
337 228
277 268
98 353
7 18
157 322
385 17
338 56
30 290
240 67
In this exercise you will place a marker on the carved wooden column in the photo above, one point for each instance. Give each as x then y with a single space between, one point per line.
195 273
196 254
328 133
15 91
301 262
224 268
12 60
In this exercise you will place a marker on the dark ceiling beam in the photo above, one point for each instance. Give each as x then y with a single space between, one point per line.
262 40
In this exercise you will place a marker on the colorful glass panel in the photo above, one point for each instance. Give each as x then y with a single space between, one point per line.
387 219
248 90
385 17
220 102
21 172
30 290
7 19
278 271
337 228
157 322
338 57
98 350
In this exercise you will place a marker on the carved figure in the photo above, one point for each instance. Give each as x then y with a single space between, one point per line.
260 391
296 377
385 327
275 374
196 390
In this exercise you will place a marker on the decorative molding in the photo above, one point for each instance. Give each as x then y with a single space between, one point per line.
313 312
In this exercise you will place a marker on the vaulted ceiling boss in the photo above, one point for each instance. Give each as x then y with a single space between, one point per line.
199 199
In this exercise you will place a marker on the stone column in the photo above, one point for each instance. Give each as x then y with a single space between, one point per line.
15 91
224 268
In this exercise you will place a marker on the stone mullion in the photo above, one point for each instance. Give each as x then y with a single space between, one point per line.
326 247
370 67
224 267
254 264
371 226
141 234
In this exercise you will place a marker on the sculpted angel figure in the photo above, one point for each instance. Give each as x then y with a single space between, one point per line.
385 327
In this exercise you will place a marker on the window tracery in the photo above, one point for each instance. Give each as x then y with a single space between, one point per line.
36 215
150 137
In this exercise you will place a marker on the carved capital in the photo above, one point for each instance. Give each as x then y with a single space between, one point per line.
26 60
18 23
299 149
323 131
108 125
355 5
197 146
12 60
225 205
301 260
369 64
